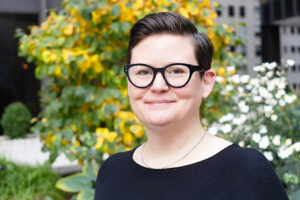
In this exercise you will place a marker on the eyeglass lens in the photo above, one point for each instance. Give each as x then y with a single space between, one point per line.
175 75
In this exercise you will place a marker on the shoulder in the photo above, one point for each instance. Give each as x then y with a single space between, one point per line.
247 160
117 159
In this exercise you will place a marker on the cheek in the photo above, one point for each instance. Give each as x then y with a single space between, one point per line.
134 93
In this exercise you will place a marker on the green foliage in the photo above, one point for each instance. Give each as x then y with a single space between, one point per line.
16 120
19 181
81 183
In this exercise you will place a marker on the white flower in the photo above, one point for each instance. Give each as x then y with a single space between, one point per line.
271 87
256 137
245 78
239 120
105 156
243 107
288 142
271 65
227 128
296 146
229 87
282 102
242 143
276 140
236 78
213 130
290 62
227 117
264 142
268 109
290 98
240 89
284 152
257 99
256 68
219 79
274 117
263 92
263 129
269 155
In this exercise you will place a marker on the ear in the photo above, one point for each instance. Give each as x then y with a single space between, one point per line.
208 82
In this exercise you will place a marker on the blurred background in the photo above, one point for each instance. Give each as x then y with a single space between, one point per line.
63 98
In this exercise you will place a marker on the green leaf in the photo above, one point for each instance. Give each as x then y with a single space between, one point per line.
40 72
110 109
129 5
87 194
74 183
88 170
125 26
205 12
69 42
86 14
101 4
115 26
115 10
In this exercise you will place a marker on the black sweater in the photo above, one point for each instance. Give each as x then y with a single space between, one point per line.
233 173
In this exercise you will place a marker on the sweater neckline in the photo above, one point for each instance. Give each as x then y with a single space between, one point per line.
201 162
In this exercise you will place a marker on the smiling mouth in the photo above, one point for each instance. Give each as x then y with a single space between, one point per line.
159 102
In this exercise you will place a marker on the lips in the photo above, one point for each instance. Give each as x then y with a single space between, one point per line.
159 102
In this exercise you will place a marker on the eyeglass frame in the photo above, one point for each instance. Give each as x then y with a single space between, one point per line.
162 70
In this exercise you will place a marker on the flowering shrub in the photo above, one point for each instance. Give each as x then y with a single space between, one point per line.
81 51
265 117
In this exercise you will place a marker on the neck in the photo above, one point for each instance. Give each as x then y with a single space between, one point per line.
169 140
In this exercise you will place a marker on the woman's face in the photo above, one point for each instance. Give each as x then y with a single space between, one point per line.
160 104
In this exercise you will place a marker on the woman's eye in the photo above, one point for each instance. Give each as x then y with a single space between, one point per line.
143 72
177 71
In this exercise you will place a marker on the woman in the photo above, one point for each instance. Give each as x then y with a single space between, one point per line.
169 75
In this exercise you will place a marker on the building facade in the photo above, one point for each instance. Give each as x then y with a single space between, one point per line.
245 12
281 35
17 81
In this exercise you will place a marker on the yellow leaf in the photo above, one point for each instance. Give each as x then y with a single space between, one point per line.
184 12
127 138
221 71
111 136
99 142
69 29
57 72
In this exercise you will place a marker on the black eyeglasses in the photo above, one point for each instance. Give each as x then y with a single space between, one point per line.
176 75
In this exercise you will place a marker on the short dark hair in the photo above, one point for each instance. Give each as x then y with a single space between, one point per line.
172 23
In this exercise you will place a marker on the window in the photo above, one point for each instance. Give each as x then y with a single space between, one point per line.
231 11
285 49
256 12
284 29
298 29
232 48
219 11
242 11
292 49
299 67
294 85
294 68
299 49
292 30
244 50
257 30
258 50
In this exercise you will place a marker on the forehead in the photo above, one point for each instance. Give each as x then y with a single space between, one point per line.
164 49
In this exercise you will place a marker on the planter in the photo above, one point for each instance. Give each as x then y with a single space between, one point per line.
28 151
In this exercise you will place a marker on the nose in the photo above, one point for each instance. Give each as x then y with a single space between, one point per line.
159 84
